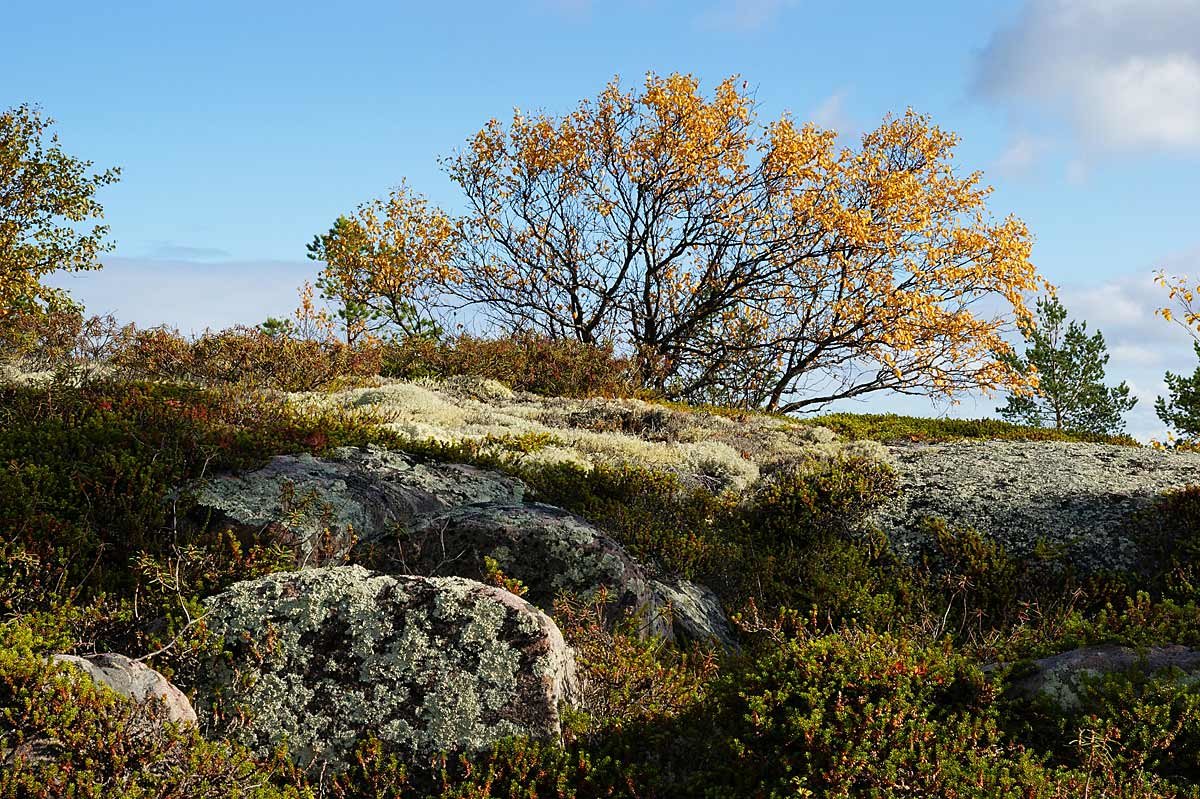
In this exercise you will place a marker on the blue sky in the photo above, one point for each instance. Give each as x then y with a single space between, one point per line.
244 128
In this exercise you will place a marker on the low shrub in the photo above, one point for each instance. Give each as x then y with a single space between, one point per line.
628 679
1143 727
244 355
854 714
878 692
656 516
48 339
523 363
1167 536
86 473
62 735
831 496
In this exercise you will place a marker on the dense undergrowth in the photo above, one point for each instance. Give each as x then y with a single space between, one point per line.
860 673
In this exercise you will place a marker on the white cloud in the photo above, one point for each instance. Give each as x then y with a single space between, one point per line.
1141 345
1022 153
1125 73
743 15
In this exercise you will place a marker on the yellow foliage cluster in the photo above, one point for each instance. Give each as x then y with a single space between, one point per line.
1183 293
719 250
391 254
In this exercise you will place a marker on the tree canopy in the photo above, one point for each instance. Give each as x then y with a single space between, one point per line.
737 260
385 263
47 199
1069 364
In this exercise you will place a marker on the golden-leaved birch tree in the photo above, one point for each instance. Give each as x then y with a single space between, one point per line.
47 204
386 263
748 262
739 260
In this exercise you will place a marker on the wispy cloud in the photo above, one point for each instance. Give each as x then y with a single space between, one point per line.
831 112
1125 74
1021 154
743 15
1142 347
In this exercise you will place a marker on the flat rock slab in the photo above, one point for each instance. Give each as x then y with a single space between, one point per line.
323 658
136 681
353 494
1076 495
1058 677
550 551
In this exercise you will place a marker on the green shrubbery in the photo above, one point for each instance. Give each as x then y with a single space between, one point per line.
878 690
893 427
61 735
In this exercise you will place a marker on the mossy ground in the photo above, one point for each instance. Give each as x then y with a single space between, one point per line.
859 673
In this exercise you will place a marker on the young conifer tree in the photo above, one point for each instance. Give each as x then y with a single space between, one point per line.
1070 364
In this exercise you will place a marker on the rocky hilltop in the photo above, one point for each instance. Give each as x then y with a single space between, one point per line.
449 580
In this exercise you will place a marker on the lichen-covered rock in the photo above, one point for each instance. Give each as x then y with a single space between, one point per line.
325 504
695 612
322 658
550 551
1058 677
135 680
1019 492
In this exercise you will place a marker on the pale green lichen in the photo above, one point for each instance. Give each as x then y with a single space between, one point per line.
720 452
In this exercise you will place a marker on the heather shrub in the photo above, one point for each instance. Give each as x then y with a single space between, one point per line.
655 515
1142 727
878 693
834 496
515 769
858 713
556 368
244 355
627 678
805 540
88 474
976 589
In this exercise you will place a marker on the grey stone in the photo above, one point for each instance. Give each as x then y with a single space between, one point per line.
322 658
550 551
1071 495
1058 677
353 494
695 612
135 680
